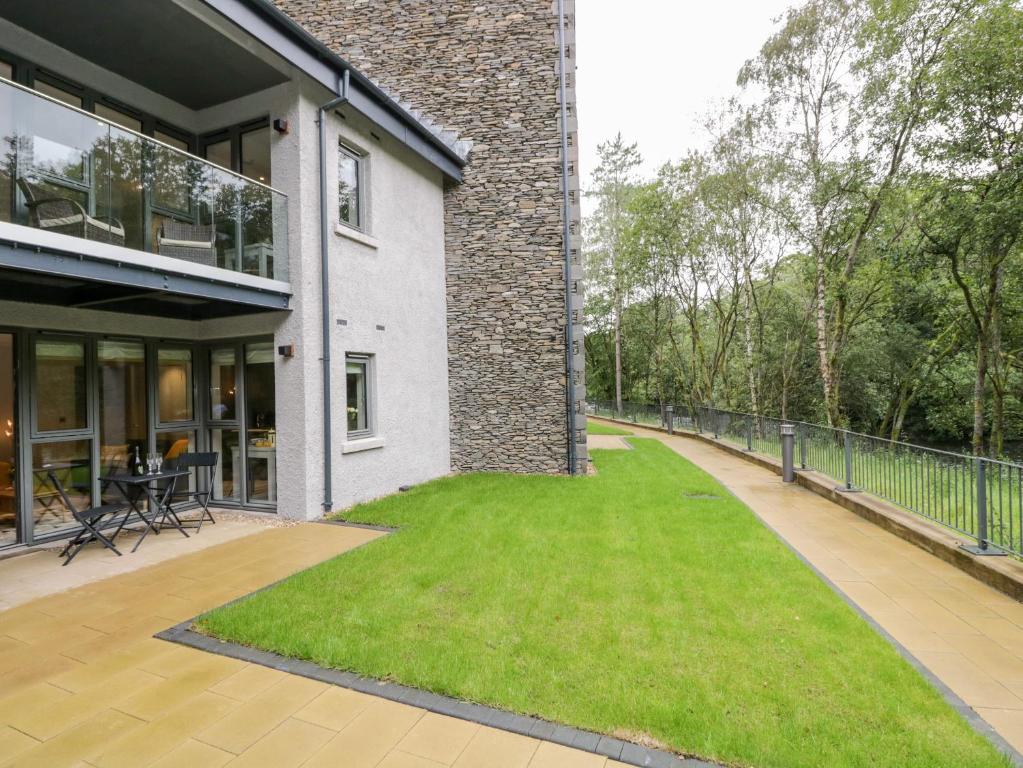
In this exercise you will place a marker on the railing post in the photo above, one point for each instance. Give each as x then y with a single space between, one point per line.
669 416
981 503
802 446
788 436
749 433
982 548
847 449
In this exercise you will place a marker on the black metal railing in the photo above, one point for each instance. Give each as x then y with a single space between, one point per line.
979 497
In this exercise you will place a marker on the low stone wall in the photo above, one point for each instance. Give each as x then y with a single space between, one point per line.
1002 573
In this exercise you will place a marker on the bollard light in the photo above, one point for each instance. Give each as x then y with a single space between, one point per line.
788 440
669 412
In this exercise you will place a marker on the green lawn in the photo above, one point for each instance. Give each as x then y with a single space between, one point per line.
619 604
599 428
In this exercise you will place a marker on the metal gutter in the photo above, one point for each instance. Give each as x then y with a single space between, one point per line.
321 121
569 331
273 28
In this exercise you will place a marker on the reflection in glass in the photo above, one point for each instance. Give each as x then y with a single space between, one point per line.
77 174
70 462
222 384
8 501
227 484
119 167
60 385
256 154
261 427
122 408
174 385
118 117
6 70
357 396
58 93
170 445
348 188
174 141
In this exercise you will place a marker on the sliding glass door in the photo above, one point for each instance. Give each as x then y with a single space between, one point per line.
8 447
260 424
242 421
87 405
61 430
123 424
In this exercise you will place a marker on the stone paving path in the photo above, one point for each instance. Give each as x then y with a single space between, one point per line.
84 683
967 634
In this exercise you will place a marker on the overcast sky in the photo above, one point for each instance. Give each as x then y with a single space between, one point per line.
651 68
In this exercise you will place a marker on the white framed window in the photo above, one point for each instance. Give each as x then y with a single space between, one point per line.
351 182
359 398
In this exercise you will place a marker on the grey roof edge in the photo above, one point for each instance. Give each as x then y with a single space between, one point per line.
275 29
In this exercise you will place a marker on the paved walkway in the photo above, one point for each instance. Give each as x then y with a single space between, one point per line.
84 683
968 634
32 575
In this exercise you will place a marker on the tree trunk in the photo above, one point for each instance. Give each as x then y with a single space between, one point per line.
823 353
751 371
979 387
618 355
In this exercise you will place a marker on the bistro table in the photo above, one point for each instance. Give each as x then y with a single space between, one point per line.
160 511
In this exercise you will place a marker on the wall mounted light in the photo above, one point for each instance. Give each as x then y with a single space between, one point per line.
286 350
280 125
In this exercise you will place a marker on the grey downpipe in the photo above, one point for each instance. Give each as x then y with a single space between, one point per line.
328 502
569 331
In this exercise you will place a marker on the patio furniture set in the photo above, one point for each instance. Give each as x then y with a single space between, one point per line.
150 498
178 239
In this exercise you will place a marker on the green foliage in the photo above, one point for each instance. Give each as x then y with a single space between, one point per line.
848 249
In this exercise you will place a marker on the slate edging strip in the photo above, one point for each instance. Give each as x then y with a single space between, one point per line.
542 730
363 526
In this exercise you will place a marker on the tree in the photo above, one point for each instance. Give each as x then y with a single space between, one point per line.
973 184
608 269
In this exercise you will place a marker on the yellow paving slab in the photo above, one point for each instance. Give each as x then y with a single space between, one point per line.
193 754
288 745
490 748
438 738
84 683
967 634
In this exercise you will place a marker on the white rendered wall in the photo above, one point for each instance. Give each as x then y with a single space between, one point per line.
393 277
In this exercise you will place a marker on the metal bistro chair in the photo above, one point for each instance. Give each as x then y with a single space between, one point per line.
204 490
190 242
66 216
90 519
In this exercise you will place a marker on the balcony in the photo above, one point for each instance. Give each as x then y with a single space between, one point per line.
68 173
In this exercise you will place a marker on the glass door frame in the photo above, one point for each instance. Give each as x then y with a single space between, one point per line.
18 370
27 426
27 435
241 420
237 423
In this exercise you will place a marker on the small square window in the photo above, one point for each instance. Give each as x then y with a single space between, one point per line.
349 188
357 379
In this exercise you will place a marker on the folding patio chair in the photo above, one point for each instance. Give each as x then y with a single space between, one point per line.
90 519
206 470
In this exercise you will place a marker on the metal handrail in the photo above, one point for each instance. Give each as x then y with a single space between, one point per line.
150 139
979 497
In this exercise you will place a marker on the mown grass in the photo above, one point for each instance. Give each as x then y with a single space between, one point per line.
616 603
599 428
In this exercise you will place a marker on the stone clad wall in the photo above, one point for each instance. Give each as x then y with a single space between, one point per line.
490 72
